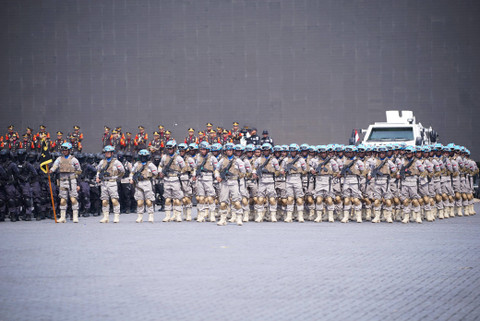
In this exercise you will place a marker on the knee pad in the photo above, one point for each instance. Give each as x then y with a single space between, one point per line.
185 201
419 201
426 199
432 202
115 202
284 201
470 197
272 200
415 203
168 201
329 201
396 201
310 200
451 199
319 200
289 200
338 199
140 203
201 199
260 201
376 203
438 198
445 197
458 196
300 201
406 202
237 205
367 201
356 202
149 203
63 202
223 206
177 202
73 200
255 200
464 196
244 201
388 203
210 200
347 201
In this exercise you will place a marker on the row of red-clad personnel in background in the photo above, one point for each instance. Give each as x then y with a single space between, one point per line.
30 141
125 142
129 143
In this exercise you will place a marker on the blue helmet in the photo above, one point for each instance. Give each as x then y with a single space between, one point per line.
381 149
410 149
350 148
229 146
171 144
437 146
182 146
312 148
361 148
267 146
239 147
108 148
68 146
322 148
143 152
293 147
250 148
193 146
277 148
304 147
204 145
427 149
216 147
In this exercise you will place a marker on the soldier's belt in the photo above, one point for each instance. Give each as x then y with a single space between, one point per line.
67 178
110 180
172 175
294 175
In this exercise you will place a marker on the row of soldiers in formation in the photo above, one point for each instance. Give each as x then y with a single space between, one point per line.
29 141
129 143
327 182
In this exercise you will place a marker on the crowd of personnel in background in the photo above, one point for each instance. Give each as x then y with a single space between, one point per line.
244 182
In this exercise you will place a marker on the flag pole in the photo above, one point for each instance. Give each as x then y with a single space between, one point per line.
51 194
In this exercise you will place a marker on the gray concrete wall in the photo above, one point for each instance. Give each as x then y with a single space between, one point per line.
309 71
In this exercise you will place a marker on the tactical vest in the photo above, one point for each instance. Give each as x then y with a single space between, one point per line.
66 165
233 171
208 164
112 170
385 170
174 167
146 172
269 167
296 165
412 168
327 166
353 169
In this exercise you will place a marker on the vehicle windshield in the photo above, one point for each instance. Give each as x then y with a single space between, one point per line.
379 134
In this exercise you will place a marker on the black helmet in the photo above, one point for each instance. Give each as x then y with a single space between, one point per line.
21 155
90 158
5 154
32 157
128 156
120 156
81 157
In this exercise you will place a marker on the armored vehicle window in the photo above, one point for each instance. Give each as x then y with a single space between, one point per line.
379 134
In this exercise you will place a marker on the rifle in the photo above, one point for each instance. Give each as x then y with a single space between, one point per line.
404 171
103 173
290 165
136 177
261 169
346 169
376 171
166 169
200 167
321 167
224 173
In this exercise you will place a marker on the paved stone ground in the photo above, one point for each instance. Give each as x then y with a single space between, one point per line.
192 271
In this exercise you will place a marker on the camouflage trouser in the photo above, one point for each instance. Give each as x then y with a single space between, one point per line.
351 190
109 189
230 194
381 190
266 190
68 188
324 189
173 194
294 189
144 192
408 193
205 189
447 189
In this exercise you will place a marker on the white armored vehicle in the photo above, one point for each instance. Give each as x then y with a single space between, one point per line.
400 128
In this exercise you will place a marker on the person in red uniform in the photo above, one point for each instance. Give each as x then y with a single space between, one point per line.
191 137
27 143
226 138
56 145
9 134
201 137
141 138
43 129
106 136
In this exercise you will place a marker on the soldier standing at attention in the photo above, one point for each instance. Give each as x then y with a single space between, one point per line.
57 143
191 137
171 165
128 143
203 176
156 145
69 168
109 170
265 138
235 133
141 138
106 136
141 177
43 129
